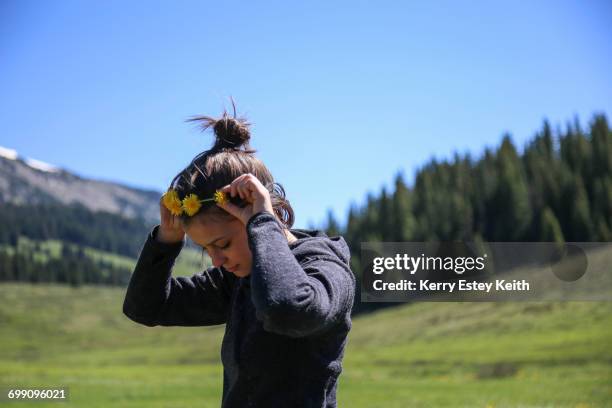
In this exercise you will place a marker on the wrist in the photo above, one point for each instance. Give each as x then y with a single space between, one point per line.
261 216
262 207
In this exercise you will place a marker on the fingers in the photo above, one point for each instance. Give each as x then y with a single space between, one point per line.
246 190
169 221
164 213
232 188
244 186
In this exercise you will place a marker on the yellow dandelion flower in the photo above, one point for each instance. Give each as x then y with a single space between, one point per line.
220 197
171 201
191 204
169 196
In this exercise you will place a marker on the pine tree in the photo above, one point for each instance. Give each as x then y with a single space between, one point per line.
550 230
601 138
332 228
386 216
511 200
403 218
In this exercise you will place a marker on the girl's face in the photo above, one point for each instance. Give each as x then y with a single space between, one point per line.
225 242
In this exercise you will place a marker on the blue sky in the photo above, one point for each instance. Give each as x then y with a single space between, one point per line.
343 95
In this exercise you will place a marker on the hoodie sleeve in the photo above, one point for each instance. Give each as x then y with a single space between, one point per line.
155 298
292 299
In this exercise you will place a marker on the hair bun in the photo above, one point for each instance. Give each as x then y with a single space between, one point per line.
230 132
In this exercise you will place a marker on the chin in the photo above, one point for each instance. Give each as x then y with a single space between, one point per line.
238 272
241 273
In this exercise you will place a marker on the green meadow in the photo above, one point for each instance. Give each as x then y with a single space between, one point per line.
522 354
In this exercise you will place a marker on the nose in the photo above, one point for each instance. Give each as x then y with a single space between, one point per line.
217 258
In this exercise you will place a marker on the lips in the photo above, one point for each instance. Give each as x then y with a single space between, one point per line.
232 269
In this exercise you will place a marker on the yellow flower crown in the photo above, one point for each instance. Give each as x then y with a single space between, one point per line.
190 204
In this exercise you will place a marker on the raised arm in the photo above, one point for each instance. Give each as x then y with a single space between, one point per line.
292 299
155 298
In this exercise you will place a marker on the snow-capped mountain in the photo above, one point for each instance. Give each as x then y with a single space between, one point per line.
30 181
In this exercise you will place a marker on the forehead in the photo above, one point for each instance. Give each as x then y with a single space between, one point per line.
204 230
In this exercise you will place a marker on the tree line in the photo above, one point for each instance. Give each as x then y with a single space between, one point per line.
559 189
77 227
73 267
73 224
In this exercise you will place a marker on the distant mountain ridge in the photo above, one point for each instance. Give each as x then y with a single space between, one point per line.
29 181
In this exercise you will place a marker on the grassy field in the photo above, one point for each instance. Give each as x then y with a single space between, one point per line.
421 355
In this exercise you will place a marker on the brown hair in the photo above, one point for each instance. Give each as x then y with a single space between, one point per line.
229 157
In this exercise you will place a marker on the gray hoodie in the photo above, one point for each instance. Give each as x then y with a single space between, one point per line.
287 322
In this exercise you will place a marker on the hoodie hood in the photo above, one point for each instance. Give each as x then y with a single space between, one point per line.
316 242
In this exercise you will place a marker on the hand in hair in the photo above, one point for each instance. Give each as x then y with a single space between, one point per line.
170 229
250 189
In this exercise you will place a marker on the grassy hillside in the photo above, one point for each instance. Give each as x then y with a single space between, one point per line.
423 355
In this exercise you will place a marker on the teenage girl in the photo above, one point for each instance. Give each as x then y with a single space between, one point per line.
284 294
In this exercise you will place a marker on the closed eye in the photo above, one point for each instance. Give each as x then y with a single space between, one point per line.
220 247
